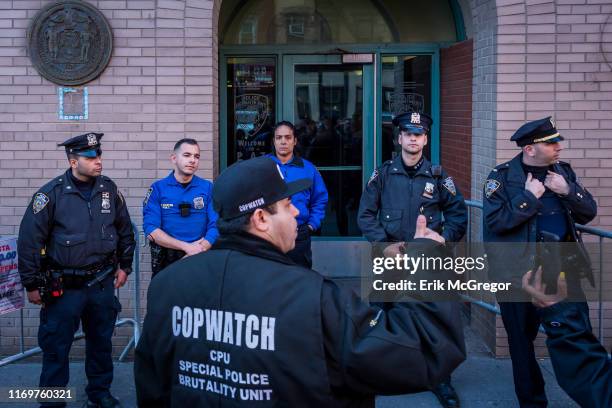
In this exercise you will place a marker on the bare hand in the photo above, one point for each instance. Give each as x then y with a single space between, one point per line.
34 297
557 183
534 186
120 278
204 244
192 249
537 290
392 250
421 231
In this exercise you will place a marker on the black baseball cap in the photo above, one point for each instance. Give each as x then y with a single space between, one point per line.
251 184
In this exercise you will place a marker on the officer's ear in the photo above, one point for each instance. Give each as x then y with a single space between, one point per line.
426 139
529 150
73 159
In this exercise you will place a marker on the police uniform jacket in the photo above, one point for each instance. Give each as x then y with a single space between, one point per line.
161 209
316 345
392 201
76 233
510 214
312 201
581 363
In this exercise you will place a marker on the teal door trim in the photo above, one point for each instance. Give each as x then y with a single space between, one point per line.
372 74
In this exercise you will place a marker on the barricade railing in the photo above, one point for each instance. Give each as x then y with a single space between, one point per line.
121 321
600 233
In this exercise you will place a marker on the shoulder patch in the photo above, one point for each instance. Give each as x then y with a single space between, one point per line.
450 185
491 185
373 176
146 198
39 202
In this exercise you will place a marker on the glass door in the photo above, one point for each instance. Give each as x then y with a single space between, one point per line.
331 105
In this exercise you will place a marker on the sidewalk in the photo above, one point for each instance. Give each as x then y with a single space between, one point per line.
481 381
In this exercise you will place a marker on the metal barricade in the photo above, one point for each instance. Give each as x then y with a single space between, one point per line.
600 233
134 321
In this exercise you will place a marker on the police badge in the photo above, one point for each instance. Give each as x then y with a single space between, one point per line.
415 118
39 202
198 203
429 190
92 140
450 185
491 186
106 205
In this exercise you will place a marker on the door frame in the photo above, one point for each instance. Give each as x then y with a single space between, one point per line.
280 52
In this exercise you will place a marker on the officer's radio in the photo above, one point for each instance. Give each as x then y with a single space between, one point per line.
185 209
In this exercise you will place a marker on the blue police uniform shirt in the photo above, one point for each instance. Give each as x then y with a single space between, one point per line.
161 209
311 202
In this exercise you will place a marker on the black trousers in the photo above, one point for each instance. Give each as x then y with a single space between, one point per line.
302 253
522 322
162 257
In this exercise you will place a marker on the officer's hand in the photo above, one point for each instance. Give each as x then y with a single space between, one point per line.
392 250
192 249
204 244
34 297
535 186
120 278
557 183
421 231
537 289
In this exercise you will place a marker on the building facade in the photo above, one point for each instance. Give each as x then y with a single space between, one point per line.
223 72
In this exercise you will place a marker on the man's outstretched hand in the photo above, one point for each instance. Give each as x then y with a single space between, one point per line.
537 289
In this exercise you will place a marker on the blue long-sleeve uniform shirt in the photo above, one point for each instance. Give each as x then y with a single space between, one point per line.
310 202
161 209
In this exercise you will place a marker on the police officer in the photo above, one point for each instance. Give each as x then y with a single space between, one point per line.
532 195
310 202
402 189
178 214
246 326
75 238
581 363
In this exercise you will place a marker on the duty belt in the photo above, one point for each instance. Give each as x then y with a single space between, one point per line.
84 272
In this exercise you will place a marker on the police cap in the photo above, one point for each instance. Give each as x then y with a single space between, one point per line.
251 184
87 145
537 131
413 122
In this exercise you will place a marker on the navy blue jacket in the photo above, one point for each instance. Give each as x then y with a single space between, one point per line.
392 201
76 232
161 209
510 214
315 343
310 202
581 363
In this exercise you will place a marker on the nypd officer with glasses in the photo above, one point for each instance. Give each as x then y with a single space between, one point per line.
76 245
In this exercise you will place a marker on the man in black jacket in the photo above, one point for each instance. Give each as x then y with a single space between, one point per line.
582 365
532 194
242 323
80 221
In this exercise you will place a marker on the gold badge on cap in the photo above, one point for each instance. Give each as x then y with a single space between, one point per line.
429 190
552 122
415 118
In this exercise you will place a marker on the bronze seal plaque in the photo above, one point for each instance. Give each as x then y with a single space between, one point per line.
70 42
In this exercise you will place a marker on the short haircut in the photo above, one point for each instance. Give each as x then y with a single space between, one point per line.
285 123
240 223
183 141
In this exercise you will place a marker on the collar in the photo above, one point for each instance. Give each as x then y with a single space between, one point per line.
517 174
397 167
69 187
252 245
172 181
295 160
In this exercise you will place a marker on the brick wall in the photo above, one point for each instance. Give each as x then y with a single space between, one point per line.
550 62
158 88
456 113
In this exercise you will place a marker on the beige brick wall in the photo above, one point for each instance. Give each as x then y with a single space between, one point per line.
160 86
